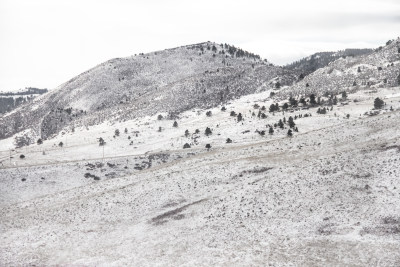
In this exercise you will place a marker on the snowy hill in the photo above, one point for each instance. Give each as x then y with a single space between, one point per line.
318 60
156 160
370 71
11 100
329 192
172 80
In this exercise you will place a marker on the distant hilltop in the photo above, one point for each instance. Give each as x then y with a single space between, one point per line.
12 100
26 91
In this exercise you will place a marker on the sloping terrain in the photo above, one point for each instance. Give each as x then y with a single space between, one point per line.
328 196
318 60
172 80
370 71
11 100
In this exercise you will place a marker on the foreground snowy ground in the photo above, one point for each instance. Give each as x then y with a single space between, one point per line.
330 195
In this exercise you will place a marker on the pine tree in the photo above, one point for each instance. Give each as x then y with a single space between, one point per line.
228 141
271 130
116 133
291 122
175 124
186 145
101 142
289 133
335 100
186 133
208 131
378 103
280 123
239 117
312 99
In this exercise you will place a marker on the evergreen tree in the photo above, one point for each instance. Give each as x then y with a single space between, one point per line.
208 146
271 130
186 145
39 141
208 131
280 123
344 95
312 99
378 103
116 133
291 122
228 141
272 108
239 117
60 144
293 102
186 133
101 142
175 124
335 100
289 133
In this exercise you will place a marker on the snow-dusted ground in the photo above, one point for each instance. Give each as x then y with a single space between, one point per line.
330 195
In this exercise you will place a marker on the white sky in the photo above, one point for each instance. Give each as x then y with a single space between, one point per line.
44 43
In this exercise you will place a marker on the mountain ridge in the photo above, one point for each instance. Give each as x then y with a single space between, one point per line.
171 80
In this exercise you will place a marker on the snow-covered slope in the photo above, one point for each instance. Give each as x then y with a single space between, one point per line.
327 196
375 70
318 60
172 80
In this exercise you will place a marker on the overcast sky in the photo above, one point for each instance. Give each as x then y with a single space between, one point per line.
44 43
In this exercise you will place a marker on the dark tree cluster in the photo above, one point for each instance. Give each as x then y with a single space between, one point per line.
378 103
